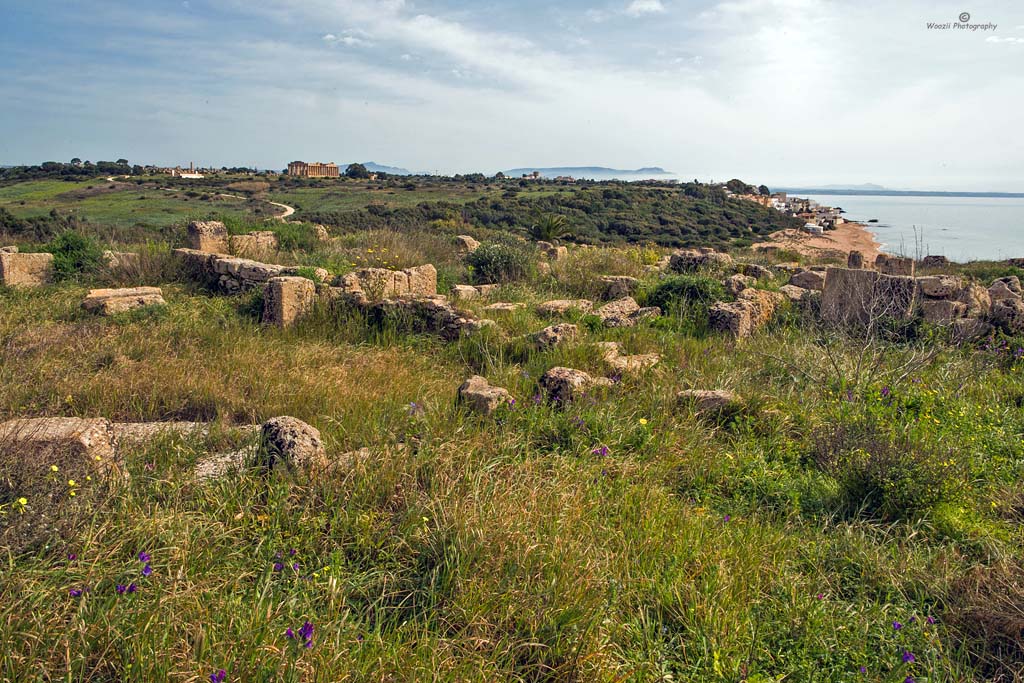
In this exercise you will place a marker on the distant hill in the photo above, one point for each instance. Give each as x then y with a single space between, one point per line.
590 172
373 167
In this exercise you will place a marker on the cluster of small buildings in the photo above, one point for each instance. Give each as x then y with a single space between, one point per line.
817 218
178 172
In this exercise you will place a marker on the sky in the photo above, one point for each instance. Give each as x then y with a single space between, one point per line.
783 92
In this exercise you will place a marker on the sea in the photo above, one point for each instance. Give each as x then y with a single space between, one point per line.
961 228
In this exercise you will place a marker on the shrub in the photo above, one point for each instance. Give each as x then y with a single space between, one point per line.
886 475
494 262
75 254
686 297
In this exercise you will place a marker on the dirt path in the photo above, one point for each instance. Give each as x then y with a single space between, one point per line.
288 210
841 241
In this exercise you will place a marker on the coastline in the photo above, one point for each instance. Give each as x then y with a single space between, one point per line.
850 236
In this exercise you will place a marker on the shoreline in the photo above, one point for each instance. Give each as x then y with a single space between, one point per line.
850 236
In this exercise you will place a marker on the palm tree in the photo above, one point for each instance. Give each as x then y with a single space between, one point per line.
549 228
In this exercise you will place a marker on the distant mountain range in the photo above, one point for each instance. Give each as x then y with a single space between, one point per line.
373 167
868 189
590 172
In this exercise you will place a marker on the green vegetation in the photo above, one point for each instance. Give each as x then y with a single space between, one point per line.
858 520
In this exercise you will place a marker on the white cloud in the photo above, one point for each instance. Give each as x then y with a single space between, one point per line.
997 39
640 7
330 37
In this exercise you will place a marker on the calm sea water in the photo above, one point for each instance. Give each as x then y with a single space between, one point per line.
960 228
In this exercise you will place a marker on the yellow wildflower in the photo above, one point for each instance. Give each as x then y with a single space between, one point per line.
23 501
643 420
54 468
71 482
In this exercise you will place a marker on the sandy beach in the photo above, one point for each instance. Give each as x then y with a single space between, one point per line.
834 243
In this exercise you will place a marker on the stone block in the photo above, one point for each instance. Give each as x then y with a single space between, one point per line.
209 236
286 299
25 270
114 301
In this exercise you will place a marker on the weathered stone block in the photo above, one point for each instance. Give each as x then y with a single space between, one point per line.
257 244
90 441
859 297
481 396
808 279
563 306
942 311
567 384
290 442
855 259
25 270
618 286
895 265
940 286
113 301
554 335
209 236
286 299
422 280
466 244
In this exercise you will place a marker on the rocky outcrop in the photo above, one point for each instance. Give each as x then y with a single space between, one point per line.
758 272
25 270
114 301
291 443
552 252
793 293
564 385
481 397
286 299
208 236
563 306
855 259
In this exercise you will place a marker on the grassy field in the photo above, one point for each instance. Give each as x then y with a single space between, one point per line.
115 206
620 538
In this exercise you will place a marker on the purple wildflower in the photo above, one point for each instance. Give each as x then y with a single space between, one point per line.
289 633
821 596
896 626
144 556
930 620
295 567
121 588
727 518
601 451
863 669
72 557
278 566
219 676
132 588
885 392
911 620
909 658
147 570
536 399
909 679
511 403
306 631
75 592
292 552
